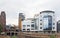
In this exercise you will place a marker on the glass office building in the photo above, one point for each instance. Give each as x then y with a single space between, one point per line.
47 21
43 22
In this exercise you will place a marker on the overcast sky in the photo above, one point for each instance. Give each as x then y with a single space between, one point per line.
28 7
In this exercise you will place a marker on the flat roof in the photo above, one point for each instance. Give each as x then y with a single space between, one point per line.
47 11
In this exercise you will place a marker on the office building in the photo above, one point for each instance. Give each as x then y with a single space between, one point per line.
58 26
28 25
21 18
45 21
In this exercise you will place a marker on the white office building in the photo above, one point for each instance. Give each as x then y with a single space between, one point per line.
28 25
45 21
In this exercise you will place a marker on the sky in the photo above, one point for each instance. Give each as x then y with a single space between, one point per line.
12 8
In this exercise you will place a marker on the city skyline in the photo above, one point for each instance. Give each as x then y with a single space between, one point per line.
31 7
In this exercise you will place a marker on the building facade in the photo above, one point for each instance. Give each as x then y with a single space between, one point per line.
58 26
45 21
28 25
21 18
3 20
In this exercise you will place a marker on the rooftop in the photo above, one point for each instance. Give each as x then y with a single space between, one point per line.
47 11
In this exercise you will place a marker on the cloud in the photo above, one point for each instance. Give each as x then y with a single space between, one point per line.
28 7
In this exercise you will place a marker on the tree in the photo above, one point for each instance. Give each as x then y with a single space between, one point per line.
0 28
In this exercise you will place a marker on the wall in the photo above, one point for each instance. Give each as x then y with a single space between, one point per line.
37 35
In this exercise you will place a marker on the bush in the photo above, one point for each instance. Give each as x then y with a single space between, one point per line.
14 37
52 36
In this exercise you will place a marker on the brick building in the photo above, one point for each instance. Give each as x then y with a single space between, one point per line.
3 20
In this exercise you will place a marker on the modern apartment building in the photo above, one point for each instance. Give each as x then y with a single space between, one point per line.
45 21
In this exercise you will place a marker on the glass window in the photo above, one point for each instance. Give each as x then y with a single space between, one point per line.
23 29
40 23
32 29
53 27
47 21
28 29
32 25
28 25
40 27
24 25
53 23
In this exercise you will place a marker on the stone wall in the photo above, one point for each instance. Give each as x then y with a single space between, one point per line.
37 35
3 36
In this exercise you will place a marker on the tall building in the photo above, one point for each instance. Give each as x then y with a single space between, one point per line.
45 21
3 20
58 26
21 18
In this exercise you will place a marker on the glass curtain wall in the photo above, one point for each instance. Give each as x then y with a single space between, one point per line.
47 21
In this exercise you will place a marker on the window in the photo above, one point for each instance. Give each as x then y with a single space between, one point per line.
32 29
53 23
28 29
40 27
53 27
28 25
32 20
24 25
32 25
23 29
40 23
47 21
